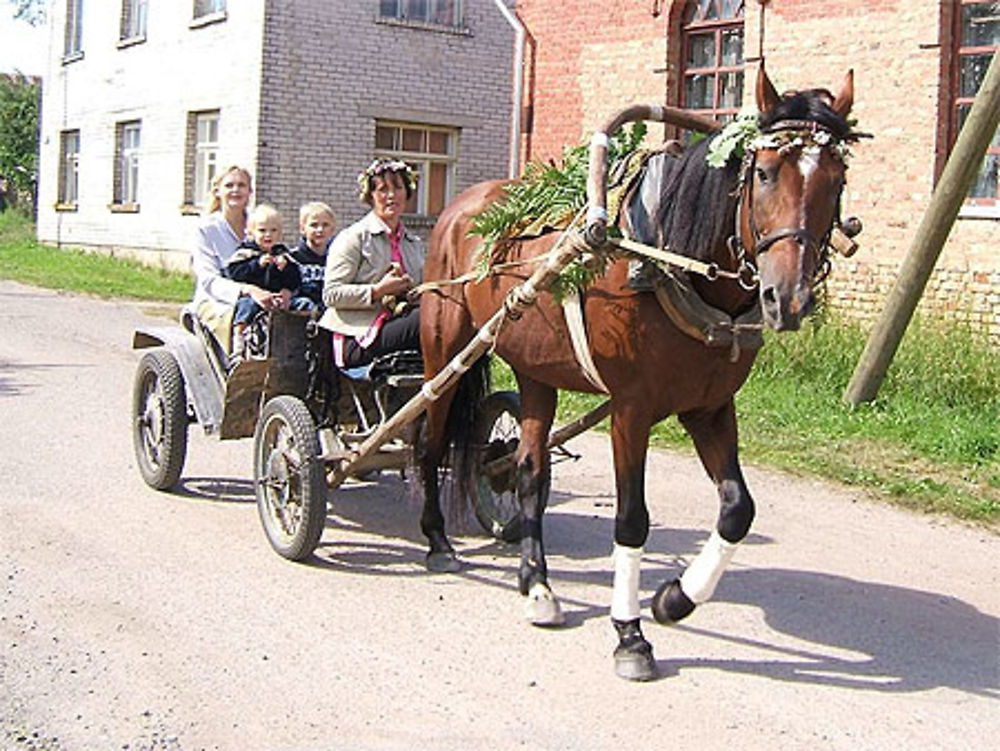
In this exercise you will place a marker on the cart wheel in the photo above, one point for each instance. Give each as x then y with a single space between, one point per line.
159 419
494 495
289 479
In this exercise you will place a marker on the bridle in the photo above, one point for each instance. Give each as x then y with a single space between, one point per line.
785 135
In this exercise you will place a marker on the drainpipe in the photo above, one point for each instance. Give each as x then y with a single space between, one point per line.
515 115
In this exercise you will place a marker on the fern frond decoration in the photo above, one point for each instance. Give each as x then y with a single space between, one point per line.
547 194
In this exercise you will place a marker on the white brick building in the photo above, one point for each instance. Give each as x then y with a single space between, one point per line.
143 101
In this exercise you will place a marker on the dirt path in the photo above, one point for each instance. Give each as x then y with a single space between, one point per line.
141 620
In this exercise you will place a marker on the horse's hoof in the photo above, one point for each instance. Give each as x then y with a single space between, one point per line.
542 608
670 604
633 655
443 562
636 664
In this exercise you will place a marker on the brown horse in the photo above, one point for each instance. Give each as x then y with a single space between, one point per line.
767 218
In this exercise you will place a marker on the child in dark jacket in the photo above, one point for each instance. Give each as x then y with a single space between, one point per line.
317 226
263 261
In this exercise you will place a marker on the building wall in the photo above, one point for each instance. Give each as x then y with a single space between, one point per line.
298 83
177 69
321 100
591 58
586 60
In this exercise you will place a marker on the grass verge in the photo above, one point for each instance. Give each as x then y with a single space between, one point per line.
22 259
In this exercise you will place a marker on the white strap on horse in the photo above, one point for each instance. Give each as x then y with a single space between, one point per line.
573 310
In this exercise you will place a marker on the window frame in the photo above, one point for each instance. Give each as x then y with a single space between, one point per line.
127 165
432 8
135 16
68 191
208 8
201 159
422 162
73 32
718 26
973 205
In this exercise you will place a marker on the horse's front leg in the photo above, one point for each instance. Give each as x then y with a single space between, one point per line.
534 479
714 436
630 441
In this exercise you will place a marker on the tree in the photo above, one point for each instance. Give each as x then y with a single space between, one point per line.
32 11
19 136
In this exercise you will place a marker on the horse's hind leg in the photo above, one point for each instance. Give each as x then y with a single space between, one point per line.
441 556
534 477
714 435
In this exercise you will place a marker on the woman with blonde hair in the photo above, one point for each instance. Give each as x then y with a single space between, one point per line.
216 240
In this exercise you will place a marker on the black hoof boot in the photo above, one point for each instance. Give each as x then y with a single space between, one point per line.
670 604
633 655
441 559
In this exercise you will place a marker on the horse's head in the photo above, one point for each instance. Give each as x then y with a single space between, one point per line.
792 178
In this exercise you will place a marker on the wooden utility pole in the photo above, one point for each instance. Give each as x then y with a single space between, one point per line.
956 179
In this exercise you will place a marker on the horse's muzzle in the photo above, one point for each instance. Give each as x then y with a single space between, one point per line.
786 294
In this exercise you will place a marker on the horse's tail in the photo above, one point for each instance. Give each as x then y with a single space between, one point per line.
460 431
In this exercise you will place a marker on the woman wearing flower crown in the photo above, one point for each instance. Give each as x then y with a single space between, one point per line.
370 268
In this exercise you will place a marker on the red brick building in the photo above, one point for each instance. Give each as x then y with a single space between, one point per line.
917 66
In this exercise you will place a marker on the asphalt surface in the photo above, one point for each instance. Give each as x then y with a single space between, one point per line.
133 619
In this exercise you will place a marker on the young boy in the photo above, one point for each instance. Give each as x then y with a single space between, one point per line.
264 262
317 226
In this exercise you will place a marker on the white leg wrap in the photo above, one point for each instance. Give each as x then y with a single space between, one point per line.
625 595
700 578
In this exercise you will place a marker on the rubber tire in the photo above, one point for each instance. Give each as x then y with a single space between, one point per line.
296 483
494 502
159 419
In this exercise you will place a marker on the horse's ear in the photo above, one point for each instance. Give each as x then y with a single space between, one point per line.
767 95
845 97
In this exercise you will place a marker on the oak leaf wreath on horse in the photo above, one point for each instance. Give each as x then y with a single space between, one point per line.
752 208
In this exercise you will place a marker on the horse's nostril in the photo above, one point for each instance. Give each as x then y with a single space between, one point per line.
769 296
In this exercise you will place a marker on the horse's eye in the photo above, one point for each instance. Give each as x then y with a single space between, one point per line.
762 176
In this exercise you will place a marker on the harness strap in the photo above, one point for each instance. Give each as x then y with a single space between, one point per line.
572 306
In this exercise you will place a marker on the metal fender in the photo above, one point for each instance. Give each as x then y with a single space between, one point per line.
204 390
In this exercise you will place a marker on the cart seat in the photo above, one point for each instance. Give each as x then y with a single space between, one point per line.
398 369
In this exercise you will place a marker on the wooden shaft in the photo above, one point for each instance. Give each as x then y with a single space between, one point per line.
558 437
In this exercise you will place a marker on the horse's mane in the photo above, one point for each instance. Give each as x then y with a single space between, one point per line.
697 206
697 203
812 105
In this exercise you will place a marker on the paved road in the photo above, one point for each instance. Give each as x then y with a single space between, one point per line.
131 619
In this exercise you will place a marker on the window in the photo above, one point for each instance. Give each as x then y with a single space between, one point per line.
202 156
712 63
69 160
127 164
74 29
442 12
430 151
208 7
133 19
976 39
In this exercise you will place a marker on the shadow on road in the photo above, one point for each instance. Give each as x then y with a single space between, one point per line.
896 639
903 640
216 489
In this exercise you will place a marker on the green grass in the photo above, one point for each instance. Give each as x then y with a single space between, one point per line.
24 260
930 441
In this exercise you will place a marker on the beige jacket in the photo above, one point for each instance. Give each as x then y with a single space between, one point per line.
357 259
